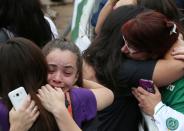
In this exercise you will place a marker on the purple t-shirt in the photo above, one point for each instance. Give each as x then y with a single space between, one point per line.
84 105
4 122
84 108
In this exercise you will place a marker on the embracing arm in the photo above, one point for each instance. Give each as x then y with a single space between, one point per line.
103 14
103 95
170 69
88 72
167 71
125 2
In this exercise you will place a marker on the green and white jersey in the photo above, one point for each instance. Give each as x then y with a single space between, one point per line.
168 119
173 95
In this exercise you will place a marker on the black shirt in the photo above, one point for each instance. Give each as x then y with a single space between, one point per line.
124 114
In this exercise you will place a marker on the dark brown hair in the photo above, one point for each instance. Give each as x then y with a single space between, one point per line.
23 64
150 32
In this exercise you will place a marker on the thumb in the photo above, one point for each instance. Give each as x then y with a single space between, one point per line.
156 90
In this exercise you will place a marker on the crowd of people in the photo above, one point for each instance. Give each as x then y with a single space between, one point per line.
98 89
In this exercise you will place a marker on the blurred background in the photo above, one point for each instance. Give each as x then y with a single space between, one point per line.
60 11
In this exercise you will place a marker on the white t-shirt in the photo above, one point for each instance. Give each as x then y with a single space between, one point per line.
53 27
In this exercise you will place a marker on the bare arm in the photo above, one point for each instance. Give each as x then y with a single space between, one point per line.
103 14
109 6
125 2
103 95
169 69
88 72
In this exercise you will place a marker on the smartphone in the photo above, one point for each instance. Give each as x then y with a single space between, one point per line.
17 97
147 85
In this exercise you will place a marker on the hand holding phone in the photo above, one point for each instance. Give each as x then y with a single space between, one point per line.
17 97
147 85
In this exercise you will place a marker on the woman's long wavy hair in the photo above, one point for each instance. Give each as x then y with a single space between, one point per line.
23 64
104 54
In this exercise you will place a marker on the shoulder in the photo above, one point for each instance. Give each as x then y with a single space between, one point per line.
133 65
83 104
131 71
83 97
81 93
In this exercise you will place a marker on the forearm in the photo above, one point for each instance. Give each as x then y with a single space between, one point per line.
167 71
104 97
164 114
91 84
64 120
102 16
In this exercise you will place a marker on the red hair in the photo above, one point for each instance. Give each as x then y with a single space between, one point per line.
150 32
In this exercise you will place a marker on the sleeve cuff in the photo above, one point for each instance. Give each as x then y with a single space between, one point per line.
158 107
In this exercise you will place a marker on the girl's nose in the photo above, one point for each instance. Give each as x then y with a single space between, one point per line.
57 77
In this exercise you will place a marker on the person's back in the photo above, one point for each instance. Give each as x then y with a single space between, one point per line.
23 64
25 19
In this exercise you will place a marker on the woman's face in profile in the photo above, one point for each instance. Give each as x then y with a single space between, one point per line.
133 53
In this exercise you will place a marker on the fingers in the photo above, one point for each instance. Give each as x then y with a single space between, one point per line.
142 91
178 51
33 111
140 94
45 90
36 115
26 103
179 57
136 94
12 111
31 106
58 89
49 88
156 89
